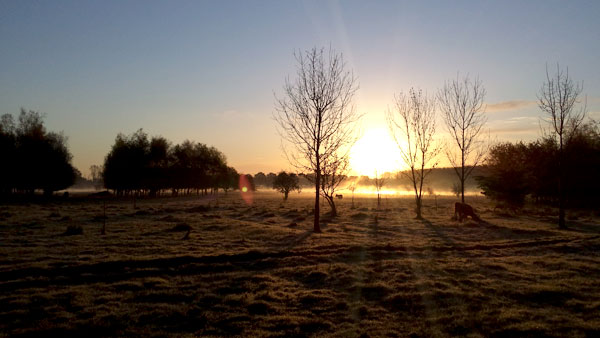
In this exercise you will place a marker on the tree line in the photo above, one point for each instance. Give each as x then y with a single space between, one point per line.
137 164
514 171
32 157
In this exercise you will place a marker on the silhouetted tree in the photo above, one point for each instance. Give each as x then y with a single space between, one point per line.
228 179
412 124
32 157
379 183
270 179
333 173
558 98
582 159
250 180
352 188
284 183
96 176
8 152
507 174
136 165
461 102
260 179
316 115
125 163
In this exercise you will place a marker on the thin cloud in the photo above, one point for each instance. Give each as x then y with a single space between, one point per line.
509 105
516 125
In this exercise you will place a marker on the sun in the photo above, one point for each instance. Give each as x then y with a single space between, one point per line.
376 151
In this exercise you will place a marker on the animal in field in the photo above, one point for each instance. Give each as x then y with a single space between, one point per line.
340 196
463 210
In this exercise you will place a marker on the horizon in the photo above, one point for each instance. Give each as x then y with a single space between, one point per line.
210 72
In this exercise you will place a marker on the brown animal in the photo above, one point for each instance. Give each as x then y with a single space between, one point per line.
339 196
463 210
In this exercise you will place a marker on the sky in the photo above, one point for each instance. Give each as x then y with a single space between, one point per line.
209 71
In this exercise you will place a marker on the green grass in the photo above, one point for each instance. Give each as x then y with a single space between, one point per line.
245 271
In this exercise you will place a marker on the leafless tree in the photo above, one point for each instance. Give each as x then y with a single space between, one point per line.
333 173
412 124
379 182
316 117
559 99
352 187
461 102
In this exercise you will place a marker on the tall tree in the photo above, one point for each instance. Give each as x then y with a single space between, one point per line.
412 124
316 116
559 99
461 102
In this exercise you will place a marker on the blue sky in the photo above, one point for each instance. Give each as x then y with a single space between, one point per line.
208 70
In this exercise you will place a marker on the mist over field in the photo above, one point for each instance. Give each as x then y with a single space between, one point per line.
300 168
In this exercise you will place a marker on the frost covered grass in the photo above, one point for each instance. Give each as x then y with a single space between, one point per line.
259 270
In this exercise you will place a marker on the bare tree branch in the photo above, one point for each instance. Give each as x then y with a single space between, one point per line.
316 118
413 121
558 98
461 102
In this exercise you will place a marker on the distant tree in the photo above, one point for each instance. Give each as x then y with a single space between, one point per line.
96 176
507 174
333 173
412 123
33 158
461 102
379 183
559 99
270 179
316 116
228 179
8 153
352 188
260 179
285 183
456 189
250 180
125 164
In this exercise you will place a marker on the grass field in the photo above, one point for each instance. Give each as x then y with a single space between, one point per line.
259 270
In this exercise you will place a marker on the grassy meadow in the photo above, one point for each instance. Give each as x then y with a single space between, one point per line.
259 270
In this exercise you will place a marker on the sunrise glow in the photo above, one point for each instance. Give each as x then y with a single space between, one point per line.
375 151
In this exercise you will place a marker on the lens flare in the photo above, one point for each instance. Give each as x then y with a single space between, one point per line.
245 190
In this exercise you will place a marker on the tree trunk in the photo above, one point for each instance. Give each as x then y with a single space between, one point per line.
418 200
561 194
462 177
317 227
285 195
331 202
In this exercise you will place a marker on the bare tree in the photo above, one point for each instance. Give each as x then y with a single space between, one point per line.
559 98
412 124
379 182
352 187
316 116
333 172
461 102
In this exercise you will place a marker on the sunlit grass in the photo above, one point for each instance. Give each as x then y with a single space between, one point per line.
259 270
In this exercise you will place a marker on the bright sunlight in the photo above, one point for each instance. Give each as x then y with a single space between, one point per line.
375 151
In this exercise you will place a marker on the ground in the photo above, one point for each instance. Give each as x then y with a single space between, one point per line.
259 270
